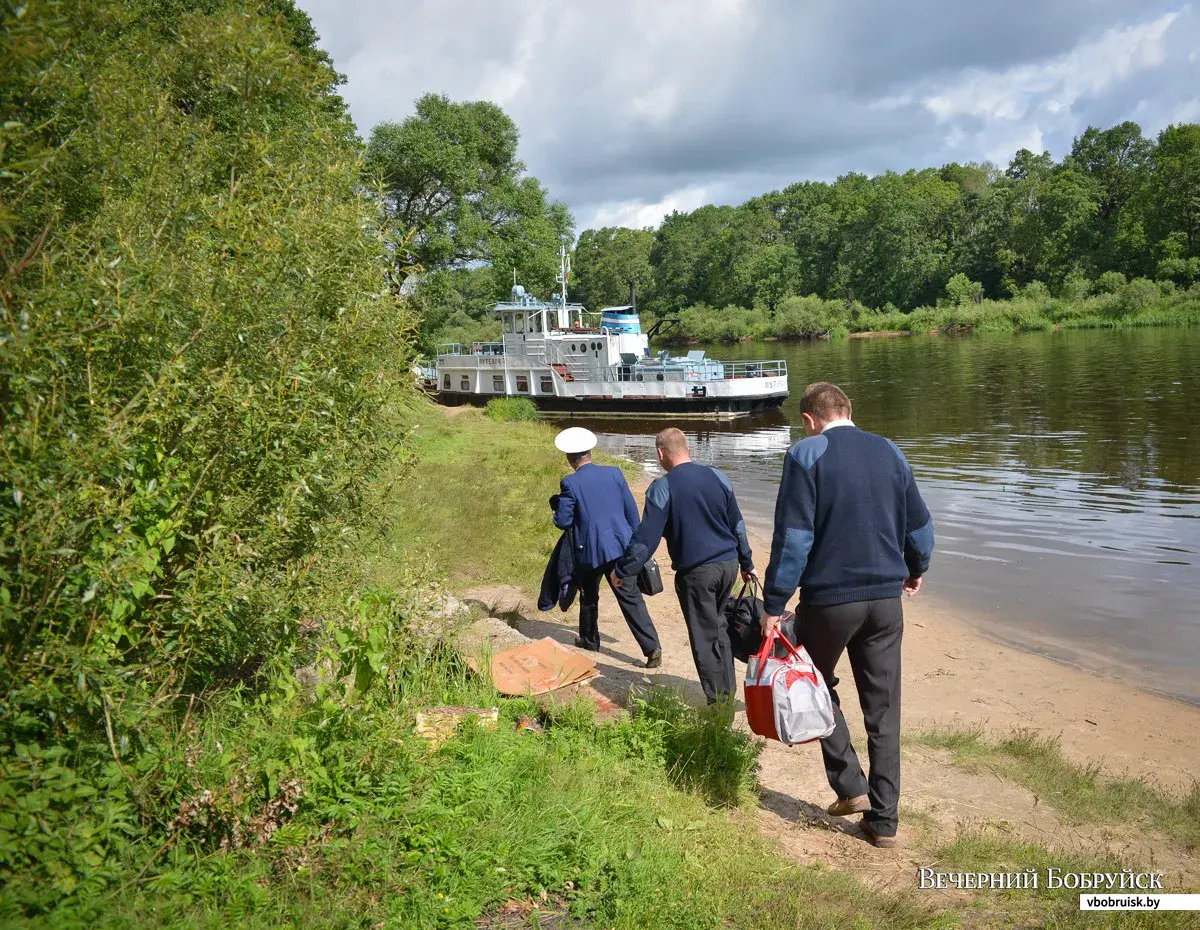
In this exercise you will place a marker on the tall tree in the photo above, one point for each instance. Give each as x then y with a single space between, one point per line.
1051 209
607 261
457 193
1175 216
681 266
1118 160
897 243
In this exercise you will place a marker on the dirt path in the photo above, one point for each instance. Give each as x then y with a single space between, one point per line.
953 676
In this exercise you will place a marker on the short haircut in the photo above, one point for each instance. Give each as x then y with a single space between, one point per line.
672 442
576 457
824 401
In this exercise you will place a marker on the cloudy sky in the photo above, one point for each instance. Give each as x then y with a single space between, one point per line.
629 109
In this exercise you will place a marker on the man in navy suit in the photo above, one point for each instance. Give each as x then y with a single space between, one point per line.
596 502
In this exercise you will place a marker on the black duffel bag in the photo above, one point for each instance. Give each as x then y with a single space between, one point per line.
743 617
649 581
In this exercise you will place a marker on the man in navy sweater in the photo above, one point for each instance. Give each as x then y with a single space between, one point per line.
852 532
695 508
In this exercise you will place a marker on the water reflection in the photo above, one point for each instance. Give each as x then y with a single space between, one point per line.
1058 467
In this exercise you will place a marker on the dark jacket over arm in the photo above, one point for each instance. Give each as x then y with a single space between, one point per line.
596 502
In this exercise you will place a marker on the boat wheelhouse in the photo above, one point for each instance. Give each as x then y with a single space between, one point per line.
567 359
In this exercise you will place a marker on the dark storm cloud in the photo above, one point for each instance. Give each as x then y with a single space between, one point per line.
627 109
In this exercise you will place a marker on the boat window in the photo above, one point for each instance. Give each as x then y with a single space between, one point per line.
519 323
497 382
572 347
465 383
547 384
523 383
446 382
508 323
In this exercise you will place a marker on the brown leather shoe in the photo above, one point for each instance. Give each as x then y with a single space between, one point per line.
844 807
883 842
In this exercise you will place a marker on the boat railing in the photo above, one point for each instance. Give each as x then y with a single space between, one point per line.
477 348
707 370
775 368
487 348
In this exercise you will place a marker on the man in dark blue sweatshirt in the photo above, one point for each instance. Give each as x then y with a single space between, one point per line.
695 508
852 532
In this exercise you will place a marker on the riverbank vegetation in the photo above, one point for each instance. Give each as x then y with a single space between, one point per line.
1115 304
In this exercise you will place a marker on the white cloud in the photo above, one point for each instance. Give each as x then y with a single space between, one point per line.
637 214
893 102
502 82
659 104
1055 85
1188 112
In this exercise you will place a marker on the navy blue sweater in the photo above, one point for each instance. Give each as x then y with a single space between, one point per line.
850 524
695 507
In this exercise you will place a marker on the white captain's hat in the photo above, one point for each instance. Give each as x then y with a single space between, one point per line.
575 440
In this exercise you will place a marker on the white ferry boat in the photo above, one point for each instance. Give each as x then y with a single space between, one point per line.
567 359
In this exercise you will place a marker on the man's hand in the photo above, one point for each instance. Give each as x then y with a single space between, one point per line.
770 622
749 576
912 585
613 579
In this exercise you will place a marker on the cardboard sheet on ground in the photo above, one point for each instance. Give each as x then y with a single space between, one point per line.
539 667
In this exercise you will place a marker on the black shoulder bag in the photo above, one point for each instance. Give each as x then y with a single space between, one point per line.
649 581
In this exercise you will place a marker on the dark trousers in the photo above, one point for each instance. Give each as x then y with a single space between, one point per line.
703 592
633 608
870 633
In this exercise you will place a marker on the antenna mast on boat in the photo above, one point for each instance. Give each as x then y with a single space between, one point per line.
564 270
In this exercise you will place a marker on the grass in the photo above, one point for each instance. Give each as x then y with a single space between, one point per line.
583 816
475 504
1080 792
991 851
511 409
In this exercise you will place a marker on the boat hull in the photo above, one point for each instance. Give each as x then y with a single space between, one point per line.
633 406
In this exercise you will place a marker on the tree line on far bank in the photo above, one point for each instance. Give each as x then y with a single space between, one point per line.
1109 235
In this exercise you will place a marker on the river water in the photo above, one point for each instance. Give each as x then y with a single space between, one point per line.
1060 469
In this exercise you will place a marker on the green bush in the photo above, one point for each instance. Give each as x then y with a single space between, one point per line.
511 409
1110 282
1138 295
197 360
962 290
730 324
810 317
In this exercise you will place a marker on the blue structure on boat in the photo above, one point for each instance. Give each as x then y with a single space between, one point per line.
619 320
